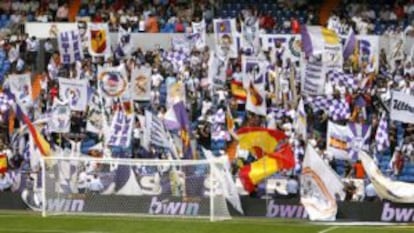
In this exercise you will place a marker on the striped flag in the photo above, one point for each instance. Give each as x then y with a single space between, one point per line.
381 136
157 134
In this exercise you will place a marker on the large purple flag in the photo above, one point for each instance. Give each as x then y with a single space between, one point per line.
182 118
349 44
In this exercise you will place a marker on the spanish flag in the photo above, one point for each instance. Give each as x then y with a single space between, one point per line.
238 91
254 173
39 140
3 163
259 141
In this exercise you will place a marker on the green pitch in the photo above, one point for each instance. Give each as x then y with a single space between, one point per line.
18 222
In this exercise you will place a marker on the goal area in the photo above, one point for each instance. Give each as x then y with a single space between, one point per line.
105 186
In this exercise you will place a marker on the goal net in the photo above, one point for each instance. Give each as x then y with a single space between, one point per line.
132 186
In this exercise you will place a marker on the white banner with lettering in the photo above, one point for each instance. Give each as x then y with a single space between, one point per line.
120 131
70 46
402 107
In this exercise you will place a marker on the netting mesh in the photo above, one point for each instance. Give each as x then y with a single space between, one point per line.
142 187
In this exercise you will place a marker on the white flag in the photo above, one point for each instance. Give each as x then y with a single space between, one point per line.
320 187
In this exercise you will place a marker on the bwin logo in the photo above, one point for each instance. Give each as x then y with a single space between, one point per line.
167 207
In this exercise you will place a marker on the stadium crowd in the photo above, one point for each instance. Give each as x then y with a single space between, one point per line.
204 107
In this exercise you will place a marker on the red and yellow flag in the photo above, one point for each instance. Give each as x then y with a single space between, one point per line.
259 141
254 173
238 91
3 163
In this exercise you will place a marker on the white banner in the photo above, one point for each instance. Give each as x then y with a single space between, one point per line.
60 117
47 30
338 140
250 35
141 83
20 85
225 37
112 81
199 28
282 47
402 107
395 191
98 39
217 69
254 71
94 119
120 132
320 187
75 92
70 46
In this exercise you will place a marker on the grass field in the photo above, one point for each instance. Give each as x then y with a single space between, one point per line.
18 222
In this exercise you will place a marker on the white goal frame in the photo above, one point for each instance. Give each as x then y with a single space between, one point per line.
144 162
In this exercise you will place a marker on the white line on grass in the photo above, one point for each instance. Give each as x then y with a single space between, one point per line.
328 229
46 231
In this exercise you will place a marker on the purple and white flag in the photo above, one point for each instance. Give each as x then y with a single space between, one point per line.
342 79
70 46
225 37
124 46
360 134
74 91
381 136
120 132
199 34
339 109
60 117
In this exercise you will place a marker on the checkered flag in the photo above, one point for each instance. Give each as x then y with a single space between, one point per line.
176 58
319 102
337 109
5 103
278 113
381 136
342 79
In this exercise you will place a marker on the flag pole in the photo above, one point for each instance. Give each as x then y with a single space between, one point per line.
293 85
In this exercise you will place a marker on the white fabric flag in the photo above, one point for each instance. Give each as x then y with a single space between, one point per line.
395 191
320 187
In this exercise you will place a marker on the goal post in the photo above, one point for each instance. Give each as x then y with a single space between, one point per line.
105 186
